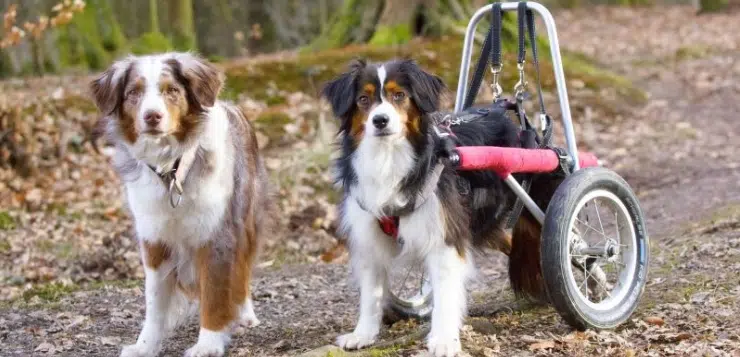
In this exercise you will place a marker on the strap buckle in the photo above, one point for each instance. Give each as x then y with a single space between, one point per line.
521 86
495 86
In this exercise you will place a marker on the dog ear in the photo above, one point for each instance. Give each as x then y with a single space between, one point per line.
202 81
107 89
427 89
341 91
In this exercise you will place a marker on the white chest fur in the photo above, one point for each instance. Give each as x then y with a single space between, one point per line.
380 166
204 200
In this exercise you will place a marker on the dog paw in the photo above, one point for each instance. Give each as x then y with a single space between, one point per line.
205 350
353 341
138 350
444 347
249 319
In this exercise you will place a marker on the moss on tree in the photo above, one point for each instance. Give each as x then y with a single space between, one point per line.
391 35
114 41
183 28
353 23
151 42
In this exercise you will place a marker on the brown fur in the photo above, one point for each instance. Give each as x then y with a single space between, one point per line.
525 270
155 254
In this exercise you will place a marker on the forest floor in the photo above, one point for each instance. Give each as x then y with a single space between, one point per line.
70 279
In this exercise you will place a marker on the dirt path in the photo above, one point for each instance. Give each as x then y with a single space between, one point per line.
679 152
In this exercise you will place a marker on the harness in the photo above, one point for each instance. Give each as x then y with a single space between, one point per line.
392 214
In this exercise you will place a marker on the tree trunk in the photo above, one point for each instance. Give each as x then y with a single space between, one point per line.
113 38
397 22
183 34
353 23
153 17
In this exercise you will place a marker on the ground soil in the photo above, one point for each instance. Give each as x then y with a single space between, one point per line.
679 151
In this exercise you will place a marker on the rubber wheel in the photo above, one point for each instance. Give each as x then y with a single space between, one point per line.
557 256
412 301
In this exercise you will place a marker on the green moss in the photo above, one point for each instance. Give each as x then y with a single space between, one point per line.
151 42
707 6
5 246
383 352
6 221
391 35
258 80
50 292
691 52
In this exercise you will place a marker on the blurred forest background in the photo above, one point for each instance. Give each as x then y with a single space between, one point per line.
49 36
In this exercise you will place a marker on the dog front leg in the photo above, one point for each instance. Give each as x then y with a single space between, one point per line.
371 276
217 309
448 272
159 289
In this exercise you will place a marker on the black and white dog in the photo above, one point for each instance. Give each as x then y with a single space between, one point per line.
395 186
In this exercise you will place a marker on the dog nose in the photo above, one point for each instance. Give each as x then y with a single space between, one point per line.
152 117
380 121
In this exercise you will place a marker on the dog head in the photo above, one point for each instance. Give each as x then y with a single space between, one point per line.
156 102
384 101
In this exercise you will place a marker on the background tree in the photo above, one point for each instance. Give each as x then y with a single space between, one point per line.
183 25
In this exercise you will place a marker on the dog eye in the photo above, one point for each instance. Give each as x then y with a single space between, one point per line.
173 90
363 100
132 92
399 96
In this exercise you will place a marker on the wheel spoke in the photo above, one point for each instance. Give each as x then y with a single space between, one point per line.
598 216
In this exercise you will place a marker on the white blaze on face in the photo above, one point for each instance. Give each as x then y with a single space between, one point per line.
152 99
384 109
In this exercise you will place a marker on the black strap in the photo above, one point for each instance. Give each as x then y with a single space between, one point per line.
533 43
492 46
521 20
496 24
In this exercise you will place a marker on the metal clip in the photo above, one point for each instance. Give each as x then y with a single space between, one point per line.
175 189
543 122
521 86
495 86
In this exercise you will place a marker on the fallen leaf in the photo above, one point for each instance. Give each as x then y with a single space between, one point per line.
542 345
654 320
699 297
44 347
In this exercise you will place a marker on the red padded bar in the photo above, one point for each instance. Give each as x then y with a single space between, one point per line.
505 161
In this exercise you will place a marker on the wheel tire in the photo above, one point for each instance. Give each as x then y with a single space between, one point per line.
397 308
396 312
566 299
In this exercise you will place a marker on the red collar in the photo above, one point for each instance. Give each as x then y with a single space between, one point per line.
389 225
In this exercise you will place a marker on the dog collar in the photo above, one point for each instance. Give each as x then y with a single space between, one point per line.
174 177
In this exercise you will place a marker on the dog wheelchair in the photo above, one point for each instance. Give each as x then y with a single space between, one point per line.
594 245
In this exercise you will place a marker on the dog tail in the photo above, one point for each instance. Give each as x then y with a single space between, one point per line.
525 269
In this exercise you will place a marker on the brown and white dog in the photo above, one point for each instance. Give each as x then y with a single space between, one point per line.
197 189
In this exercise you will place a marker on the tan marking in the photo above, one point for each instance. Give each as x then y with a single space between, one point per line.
155 254
369 89
215 274
131 103
391 87
525 273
